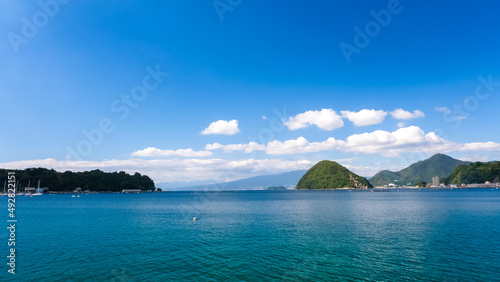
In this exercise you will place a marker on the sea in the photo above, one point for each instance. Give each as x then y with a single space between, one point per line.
341 235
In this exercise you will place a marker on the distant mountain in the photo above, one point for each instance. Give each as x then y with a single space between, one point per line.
475 173
439 164
181 184
287 179
331 175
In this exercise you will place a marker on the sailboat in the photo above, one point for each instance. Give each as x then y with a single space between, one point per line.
27 190
4 185
19 190
38 190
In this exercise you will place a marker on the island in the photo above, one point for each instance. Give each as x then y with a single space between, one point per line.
331 175
68 181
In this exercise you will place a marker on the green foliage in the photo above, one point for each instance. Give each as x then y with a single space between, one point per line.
159 190
474 173
439 164
95 180
331 175
421 184
384 177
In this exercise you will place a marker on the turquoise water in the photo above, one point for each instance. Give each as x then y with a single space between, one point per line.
258 236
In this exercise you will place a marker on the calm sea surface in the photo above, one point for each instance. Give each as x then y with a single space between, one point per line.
257 236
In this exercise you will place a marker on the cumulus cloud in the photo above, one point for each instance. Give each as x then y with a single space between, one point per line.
478 146
365 117
248 148
475 158
326 119
300 145
403 140
222 127
401 124
405 115
167 170
389 144
154 152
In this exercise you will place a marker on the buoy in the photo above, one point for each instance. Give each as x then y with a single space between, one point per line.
194 218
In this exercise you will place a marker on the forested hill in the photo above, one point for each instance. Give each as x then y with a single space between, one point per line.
95 180
475 173
331 175
439 164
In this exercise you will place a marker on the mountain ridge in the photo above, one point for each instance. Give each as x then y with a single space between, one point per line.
286 179
439 164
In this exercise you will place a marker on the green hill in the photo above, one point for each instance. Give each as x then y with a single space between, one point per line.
475 173
439 164
331 175
95 180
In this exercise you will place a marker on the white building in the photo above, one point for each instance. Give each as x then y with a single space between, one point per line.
435 181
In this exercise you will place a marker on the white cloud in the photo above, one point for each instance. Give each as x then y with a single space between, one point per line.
167 170
389 144
478 146
326 119
403 140
301 145
401 124
475 158
154 152
442 109
365 117
214 146
407 139
248 148
222 127
402 114
264 118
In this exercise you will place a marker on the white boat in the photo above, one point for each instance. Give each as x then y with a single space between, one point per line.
38 190
28 189
4 185
19 190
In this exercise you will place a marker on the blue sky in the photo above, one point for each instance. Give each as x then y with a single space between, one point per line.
273 73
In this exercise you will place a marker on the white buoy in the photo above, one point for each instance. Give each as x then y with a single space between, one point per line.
194 218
